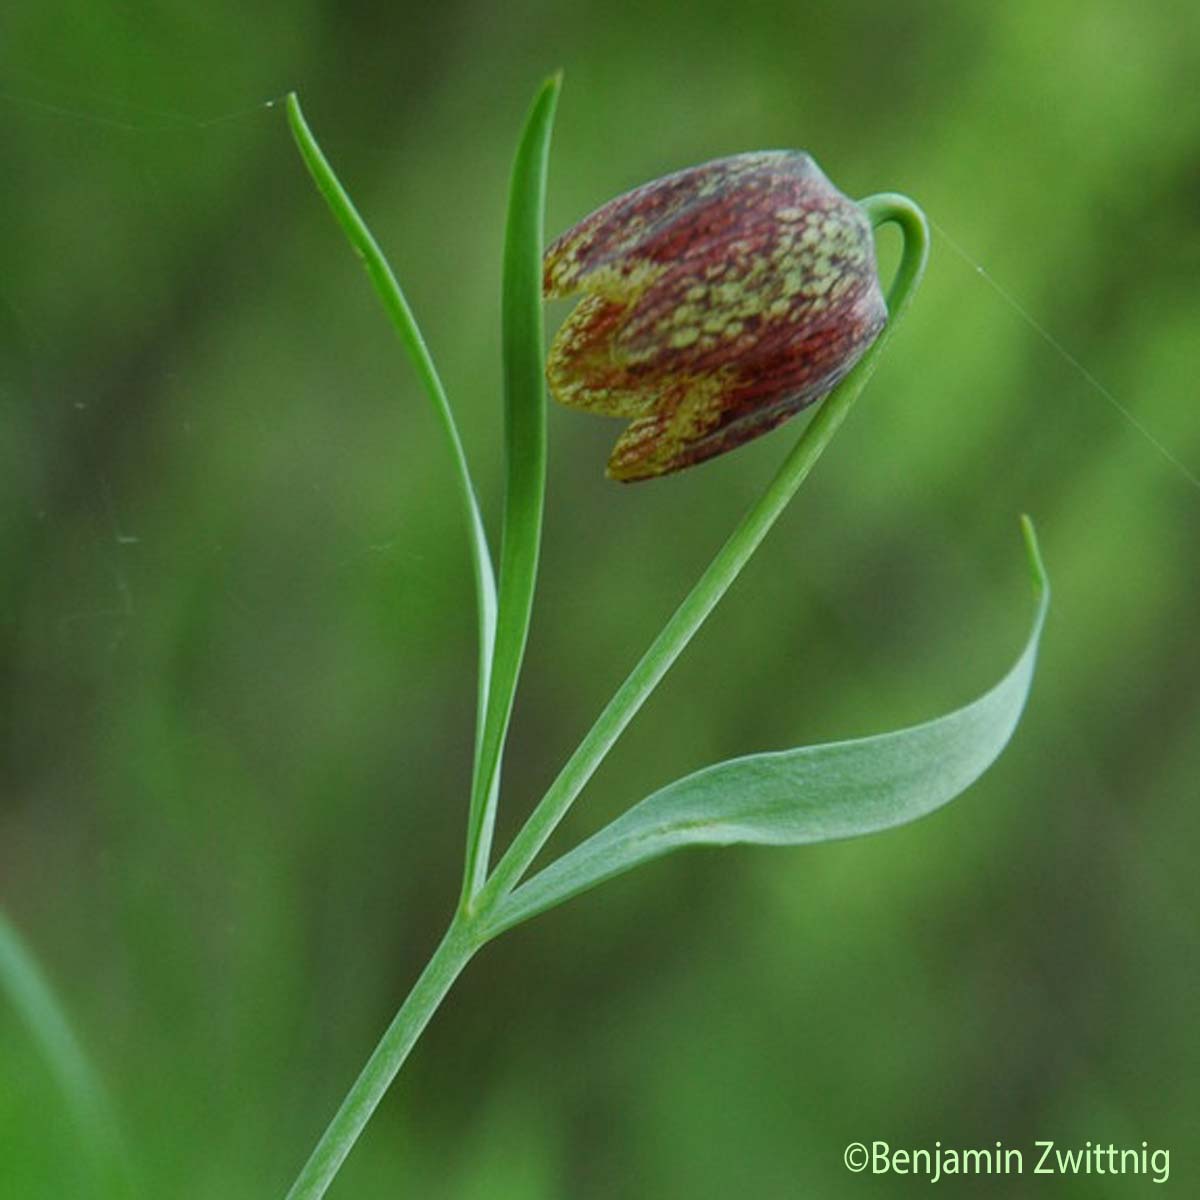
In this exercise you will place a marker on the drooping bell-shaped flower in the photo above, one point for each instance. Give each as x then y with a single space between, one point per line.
718 302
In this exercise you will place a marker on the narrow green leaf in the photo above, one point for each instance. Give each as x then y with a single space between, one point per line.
813 794
525 454
363 243
36 1004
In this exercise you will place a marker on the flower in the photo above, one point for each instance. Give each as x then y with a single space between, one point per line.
718 302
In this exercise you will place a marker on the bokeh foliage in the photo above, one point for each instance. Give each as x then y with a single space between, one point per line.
237 644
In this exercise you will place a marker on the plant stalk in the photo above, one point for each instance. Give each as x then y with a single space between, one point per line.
448 961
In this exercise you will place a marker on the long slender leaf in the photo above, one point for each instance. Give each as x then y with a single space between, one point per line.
813 794
363 242
525 453
36 1004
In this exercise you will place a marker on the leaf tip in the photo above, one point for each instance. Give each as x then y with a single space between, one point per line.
1037 567
295 117
547 94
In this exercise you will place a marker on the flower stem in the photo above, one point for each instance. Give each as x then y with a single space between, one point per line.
451 956
724 568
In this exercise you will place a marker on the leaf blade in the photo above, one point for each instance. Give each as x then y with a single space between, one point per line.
812 794
395 303
525 461
41 1011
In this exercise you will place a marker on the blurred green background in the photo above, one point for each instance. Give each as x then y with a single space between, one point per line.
237 646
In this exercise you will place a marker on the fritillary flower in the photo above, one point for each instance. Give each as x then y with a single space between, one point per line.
717 302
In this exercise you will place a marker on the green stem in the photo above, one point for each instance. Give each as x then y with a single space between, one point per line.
899 210
448 960
723 569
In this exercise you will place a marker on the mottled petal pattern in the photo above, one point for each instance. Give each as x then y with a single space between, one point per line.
718 302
